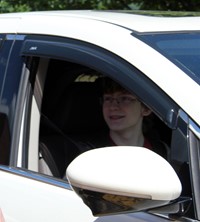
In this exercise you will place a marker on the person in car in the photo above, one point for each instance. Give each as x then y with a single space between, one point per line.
128 119
124 114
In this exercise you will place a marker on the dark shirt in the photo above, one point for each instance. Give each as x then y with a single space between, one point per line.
104 140
147 143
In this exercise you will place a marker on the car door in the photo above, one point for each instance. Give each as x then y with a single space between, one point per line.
25 194
65 62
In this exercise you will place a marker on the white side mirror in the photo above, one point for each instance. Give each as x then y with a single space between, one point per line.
123 178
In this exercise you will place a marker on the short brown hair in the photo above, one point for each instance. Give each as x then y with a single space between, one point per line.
110 86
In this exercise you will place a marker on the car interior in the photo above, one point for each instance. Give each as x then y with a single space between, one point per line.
72 120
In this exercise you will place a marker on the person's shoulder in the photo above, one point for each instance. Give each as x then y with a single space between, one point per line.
161 148
94 140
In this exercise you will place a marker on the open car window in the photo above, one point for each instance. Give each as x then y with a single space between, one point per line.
67 98
71 115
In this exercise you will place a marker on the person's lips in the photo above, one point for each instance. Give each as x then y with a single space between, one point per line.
116 117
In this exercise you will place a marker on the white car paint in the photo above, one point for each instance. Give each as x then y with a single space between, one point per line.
45 202
104 27
101 30
60 204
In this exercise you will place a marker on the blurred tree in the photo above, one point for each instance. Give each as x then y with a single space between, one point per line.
172 5
35 5
30 5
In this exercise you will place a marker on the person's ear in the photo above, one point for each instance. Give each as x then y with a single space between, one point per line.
146 111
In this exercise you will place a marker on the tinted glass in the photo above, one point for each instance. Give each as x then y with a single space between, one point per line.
181 48
4 55
4 140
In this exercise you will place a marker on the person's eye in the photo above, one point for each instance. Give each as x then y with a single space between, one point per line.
107 99
125 99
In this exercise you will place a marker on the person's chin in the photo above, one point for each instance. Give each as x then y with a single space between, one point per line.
115 127
116 124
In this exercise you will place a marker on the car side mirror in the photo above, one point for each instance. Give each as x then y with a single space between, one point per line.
120 179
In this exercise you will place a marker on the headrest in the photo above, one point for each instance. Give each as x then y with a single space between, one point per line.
80 109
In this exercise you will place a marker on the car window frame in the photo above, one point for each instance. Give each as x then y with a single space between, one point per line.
70 50
11 82
194 157
105 62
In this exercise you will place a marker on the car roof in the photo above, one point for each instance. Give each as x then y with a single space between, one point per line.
134 22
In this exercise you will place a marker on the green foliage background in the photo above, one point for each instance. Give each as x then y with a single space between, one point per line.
35 5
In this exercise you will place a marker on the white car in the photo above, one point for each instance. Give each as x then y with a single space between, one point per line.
50 64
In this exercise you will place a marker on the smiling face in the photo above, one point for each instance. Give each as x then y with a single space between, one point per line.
122 111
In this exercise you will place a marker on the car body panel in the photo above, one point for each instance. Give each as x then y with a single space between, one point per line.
133 50
138 23
41 201
30 195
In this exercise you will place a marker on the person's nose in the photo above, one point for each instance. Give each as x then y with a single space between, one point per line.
114 104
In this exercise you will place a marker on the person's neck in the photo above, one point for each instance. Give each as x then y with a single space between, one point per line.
127 138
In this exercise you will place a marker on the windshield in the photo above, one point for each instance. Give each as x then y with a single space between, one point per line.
181 48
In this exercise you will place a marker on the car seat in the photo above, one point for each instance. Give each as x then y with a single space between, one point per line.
76 126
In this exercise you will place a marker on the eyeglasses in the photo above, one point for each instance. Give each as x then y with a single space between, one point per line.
122 100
